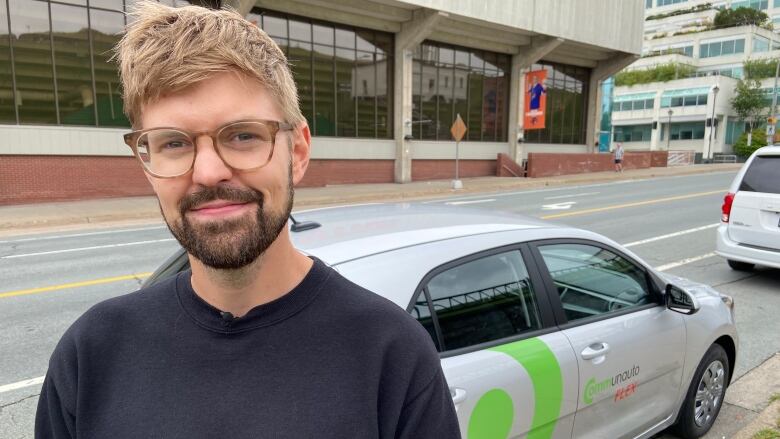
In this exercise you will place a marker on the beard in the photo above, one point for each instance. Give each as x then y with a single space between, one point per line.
235 243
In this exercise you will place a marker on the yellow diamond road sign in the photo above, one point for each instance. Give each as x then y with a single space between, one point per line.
458 129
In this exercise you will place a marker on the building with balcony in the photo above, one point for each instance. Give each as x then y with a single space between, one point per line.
696 67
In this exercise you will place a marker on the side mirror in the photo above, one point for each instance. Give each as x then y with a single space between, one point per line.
681 301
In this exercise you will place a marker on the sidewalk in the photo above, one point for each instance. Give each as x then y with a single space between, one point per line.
18 219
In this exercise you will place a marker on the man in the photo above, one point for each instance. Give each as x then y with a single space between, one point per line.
619 157
257 340
535 95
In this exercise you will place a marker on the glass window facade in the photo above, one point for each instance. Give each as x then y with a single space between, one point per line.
734 129
54 66
760 44
567 99
633 133
721 48
686 131
683 101
761 5
640 104
449 80
344 74
670 2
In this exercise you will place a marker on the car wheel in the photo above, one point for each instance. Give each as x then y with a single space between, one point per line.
740 266
705 394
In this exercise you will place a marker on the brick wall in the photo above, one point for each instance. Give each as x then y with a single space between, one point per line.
322 172
543 164
31 178
445 169
506 167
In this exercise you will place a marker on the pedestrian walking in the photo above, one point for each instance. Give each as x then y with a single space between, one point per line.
619 157
256 340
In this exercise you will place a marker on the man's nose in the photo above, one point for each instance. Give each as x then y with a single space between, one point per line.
209 169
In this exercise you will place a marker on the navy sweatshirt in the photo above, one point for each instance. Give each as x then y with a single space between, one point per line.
327 360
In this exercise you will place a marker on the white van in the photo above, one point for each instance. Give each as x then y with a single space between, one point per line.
749 232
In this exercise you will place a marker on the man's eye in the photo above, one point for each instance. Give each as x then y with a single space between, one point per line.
244 137
175 144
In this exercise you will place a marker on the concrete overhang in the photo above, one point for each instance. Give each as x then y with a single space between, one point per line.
503 26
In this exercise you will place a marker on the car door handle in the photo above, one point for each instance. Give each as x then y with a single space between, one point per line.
595 350
458 395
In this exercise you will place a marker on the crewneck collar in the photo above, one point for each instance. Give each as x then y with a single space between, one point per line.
213 319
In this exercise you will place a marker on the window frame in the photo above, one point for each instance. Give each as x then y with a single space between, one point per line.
546 313
655 285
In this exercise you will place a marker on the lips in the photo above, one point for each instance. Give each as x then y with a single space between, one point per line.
218 208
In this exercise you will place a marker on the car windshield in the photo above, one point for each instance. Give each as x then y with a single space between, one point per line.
763 175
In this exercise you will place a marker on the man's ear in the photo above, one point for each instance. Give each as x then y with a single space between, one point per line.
301 151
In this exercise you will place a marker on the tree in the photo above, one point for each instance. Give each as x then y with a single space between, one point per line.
749 102
740 17
741 147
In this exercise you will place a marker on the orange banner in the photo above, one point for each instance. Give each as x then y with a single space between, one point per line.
535 100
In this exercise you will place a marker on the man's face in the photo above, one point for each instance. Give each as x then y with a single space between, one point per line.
223 217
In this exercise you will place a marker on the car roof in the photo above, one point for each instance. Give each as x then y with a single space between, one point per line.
354 232
768 150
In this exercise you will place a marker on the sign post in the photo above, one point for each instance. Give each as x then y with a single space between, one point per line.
458 130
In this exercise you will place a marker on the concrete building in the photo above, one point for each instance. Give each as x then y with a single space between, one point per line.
380 81
707 63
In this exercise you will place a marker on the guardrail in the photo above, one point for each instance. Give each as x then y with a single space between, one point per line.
680 158
725 158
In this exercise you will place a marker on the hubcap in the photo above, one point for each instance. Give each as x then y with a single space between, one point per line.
709 394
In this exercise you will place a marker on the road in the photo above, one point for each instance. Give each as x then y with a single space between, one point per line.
50 279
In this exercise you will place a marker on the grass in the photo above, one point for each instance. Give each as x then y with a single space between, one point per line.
767 433
770 433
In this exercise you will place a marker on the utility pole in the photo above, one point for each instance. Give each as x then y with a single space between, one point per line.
669 130
715 90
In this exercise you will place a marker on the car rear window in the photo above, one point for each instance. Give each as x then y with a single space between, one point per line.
763 175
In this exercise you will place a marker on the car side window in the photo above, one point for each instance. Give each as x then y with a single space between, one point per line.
592 280
483 300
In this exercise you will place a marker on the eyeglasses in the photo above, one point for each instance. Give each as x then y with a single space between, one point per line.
170 152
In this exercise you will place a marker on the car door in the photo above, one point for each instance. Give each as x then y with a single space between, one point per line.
755 211
511 373
630 348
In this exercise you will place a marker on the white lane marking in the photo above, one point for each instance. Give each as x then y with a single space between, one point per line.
97 247
684 262
76 235
559 206
671 235
458 203
315 209
21 384
585 194
570 186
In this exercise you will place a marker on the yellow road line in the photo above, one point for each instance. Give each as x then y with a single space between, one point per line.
86 283
638 203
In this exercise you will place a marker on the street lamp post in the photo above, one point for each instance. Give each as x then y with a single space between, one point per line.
669 130
712 121
774 102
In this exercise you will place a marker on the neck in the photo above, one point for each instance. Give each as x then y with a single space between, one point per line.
275 273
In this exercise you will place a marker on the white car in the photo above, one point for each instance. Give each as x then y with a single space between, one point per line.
749 232
544 331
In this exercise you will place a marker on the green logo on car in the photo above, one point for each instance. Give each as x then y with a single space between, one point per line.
493 415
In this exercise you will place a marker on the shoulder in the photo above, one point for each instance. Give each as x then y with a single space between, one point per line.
105 322
376 318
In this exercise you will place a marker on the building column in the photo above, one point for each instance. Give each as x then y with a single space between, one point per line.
412 33
521 63
602 71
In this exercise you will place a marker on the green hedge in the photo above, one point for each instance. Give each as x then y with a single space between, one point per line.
741 147
659 73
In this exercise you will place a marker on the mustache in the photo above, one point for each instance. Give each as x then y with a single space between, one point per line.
226 193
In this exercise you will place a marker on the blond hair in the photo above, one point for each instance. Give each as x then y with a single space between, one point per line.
166 50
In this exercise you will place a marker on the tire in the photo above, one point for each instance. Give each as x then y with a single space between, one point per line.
740 266
705 394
